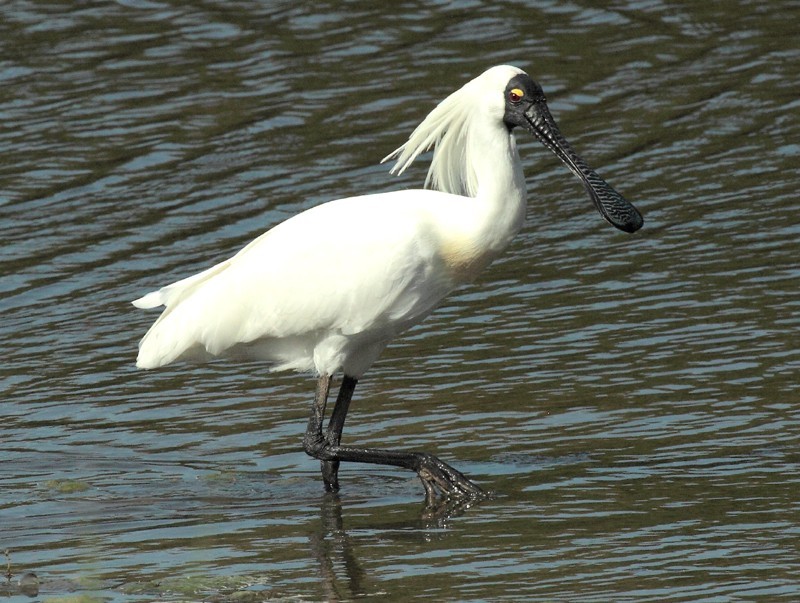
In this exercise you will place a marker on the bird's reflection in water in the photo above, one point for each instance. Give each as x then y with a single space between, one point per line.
334 549
331 543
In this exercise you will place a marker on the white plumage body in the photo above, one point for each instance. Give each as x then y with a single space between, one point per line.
327 289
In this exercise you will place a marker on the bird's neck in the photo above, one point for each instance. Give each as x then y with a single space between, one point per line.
501 185
486 223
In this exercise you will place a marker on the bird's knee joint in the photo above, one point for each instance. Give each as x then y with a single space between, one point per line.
316 446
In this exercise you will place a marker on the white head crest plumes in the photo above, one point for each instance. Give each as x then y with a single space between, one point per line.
447 128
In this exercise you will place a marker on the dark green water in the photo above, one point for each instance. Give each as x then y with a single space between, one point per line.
633 400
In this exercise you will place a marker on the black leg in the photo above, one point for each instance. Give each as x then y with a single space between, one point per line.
436 475
313 439
333 435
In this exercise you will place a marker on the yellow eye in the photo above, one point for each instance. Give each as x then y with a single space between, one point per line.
515 95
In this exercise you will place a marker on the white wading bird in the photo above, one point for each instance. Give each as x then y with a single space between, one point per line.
329 288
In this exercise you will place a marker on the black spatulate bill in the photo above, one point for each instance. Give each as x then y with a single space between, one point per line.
611 205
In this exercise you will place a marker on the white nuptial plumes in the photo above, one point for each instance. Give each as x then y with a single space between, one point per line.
447 129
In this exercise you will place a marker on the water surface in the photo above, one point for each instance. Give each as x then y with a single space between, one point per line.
632 400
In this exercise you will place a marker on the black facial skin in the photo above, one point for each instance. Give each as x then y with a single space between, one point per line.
529 111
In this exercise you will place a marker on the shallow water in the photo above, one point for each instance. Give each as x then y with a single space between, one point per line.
632 400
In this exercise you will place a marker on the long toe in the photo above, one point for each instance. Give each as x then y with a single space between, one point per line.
436 475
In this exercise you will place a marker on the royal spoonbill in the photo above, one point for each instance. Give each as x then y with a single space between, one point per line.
328 289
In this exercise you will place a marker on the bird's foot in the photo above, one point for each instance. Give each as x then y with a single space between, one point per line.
441 480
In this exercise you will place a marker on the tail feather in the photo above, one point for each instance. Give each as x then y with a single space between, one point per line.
154 299
171 336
